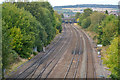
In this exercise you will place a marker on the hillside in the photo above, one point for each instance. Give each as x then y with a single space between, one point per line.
88 5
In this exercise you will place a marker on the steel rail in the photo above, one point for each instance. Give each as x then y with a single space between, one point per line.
94 70
71 59
80 51
53 48
44 67
40 62
69 40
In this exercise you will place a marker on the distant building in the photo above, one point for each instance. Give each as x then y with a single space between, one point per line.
65 15
113 13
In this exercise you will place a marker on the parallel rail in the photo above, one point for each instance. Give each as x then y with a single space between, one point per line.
41 58
57 52
77 46
40 75
90 55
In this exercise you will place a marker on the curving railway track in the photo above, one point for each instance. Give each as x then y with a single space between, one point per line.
69 56
35 64
74 64
49 67
90 67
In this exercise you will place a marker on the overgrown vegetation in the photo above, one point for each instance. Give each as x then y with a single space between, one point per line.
26 26
106 28
111 59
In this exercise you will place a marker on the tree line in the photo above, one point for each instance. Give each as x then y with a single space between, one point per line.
26 26
106 28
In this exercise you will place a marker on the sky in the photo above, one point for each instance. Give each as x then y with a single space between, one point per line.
74 2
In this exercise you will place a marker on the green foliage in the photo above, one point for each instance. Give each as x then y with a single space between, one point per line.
119 25
81 17
62 16
26 26
111 59
100 32
44 13
87 12
21 31
106 27
16 38
5 45
0 26
91 20
110 29
9 56
96 19
106 12
77 15
58 22
35 53
86 22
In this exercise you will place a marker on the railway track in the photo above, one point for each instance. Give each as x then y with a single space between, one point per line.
44 74
47 53
47 59
80 52
36 67
72 42
71 59
90 70
46 65
74 64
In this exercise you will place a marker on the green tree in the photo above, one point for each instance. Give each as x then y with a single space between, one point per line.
106 12
77 15
96 19
87 12
110 29
112 62
44 14
81 17
100 33
58 22
26 25
62 16
86 22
